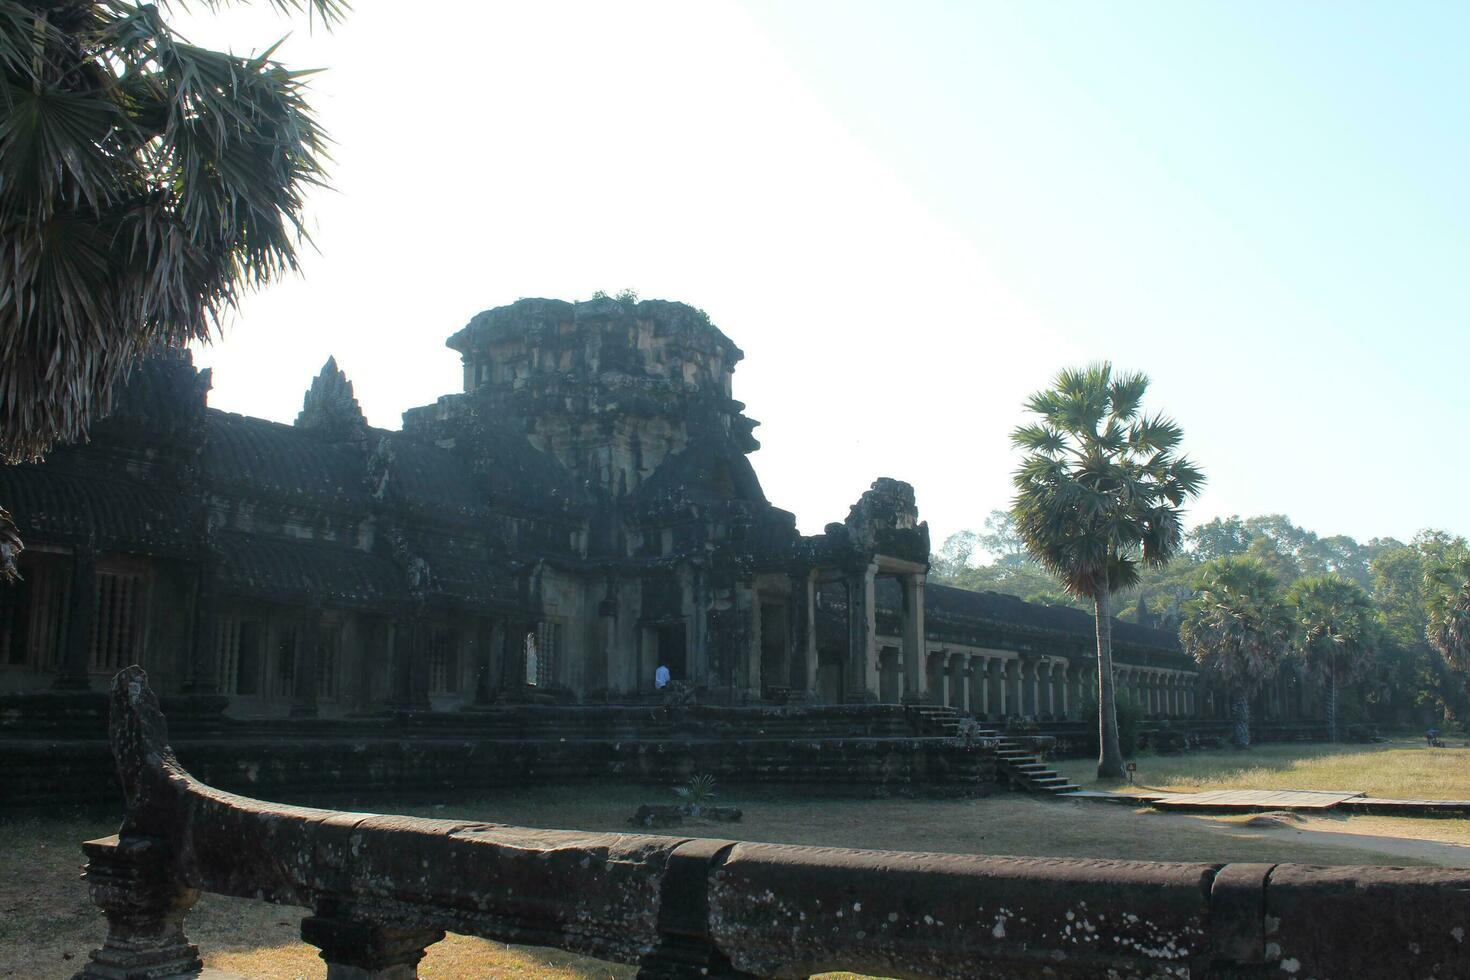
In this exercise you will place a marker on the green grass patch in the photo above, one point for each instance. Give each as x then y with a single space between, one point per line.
1400 769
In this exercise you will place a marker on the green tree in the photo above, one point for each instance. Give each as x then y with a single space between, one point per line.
1001 539
1220 538
955 557
1447 584
1099 494
144 183
1336 633
1238 629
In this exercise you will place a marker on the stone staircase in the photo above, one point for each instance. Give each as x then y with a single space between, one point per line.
936 720
1025 770
1016 763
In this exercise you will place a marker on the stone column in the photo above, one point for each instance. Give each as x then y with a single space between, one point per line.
74 670
400 695
418 673
803 623
131 879
754 684
861 674
203 675
362 949
995 689
937 672
1033 687
308 641
958 687
484 643
915 681
1014 704
975 681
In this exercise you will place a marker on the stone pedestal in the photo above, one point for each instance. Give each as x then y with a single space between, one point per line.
358 949
131 880
684 946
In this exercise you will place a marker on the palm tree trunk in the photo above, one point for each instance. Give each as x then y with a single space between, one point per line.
1332 706
1240 713
1109 755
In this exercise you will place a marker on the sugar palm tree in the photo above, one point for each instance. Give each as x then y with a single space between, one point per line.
1336 633
1238 629
1448 592
1098 494
144 182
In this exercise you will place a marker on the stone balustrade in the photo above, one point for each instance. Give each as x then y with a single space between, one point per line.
381 889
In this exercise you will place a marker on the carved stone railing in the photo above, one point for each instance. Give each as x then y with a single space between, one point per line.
381 889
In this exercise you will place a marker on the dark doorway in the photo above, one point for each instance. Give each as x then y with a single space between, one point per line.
673 650
774 672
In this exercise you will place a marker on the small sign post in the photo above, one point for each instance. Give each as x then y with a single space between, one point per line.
1131 768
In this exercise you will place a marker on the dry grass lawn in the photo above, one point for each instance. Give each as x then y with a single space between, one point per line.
47 925
1401 769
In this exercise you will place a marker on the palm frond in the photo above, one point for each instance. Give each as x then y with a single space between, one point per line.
1099 493
144 183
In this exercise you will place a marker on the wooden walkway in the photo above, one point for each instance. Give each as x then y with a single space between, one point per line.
1253 800
1262 800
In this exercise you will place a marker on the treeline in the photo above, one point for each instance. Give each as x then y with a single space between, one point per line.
1405 670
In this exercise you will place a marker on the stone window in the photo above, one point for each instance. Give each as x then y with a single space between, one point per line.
33 614
548 652
328 662
443 661
239 646
285 665
117 619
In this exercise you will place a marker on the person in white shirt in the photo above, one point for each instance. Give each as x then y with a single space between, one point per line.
661 677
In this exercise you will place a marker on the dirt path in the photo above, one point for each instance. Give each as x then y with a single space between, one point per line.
1344 833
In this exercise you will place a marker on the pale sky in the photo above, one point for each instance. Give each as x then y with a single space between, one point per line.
910 216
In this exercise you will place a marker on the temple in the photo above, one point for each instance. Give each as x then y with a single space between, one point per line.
583 512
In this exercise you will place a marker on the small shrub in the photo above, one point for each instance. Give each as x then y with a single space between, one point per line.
700 791
1130 721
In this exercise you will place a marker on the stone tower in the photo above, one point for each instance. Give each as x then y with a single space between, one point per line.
610 389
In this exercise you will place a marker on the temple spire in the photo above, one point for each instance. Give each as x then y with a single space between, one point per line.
329 406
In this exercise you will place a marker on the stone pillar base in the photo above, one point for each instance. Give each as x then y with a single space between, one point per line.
130 880
916 698
357 949
860 697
